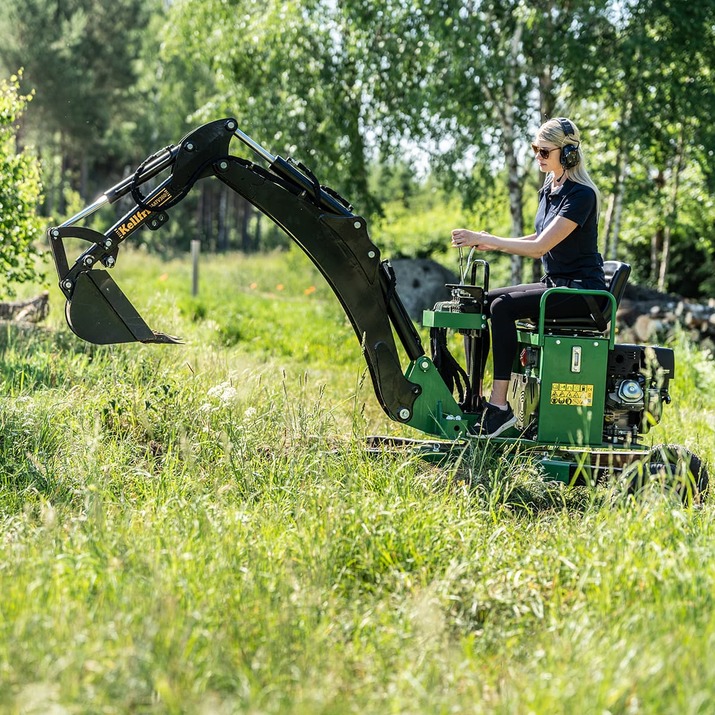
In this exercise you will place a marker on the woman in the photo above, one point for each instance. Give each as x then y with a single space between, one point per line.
566 241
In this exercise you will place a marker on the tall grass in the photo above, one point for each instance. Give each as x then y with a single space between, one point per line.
197 529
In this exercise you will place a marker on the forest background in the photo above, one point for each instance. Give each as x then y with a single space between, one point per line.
420 113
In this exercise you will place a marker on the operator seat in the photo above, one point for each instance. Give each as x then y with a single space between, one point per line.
617 274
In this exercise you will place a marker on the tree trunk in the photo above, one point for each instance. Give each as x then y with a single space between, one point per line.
221 228
64 173
516 196
200 215
672 212
615 207
547 102
257 238
608 221
515 185
617 214
247 243
656 241
84 177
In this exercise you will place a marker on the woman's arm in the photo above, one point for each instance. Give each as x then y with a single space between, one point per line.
532 246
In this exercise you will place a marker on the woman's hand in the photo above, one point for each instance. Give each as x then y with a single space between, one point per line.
481 240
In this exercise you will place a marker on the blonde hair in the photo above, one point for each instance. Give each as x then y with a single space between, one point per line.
552 131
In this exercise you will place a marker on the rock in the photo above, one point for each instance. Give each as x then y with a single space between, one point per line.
421 283
33 310
644 315
645 328
647 315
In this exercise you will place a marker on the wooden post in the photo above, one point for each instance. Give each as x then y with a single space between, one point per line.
195 250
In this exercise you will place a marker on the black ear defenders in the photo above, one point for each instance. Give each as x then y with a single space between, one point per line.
569 152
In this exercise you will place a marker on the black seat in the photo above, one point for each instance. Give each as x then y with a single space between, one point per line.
617 274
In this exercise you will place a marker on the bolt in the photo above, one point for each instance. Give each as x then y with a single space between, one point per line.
55 233
424 365
404 414
109 262
357 224
189 146
88 261
108 243
371 254
230 125
223 165
595 345
67 285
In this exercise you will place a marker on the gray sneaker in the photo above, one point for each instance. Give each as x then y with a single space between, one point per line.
494 421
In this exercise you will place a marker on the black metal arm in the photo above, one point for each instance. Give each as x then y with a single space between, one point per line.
315 217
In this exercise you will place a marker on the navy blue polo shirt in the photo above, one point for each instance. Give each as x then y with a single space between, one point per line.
577 256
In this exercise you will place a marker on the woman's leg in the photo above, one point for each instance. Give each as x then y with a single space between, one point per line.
500 390
521 297
507 306
483 344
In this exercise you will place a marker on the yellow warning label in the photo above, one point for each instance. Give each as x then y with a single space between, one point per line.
565 393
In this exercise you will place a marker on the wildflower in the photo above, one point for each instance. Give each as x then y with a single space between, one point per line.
225 392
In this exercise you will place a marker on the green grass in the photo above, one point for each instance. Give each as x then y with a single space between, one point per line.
197 529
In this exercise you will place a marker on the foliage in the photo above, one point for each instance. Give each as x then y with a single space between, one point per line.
417 224
76 54
306 99
347 86
20 190
78 58
656 129
196 528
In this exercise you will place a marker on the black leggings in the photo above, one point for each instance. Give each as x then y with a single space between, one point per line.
507 305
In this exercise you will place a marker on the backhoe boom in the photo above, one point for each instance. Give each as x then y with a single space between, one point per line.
315 217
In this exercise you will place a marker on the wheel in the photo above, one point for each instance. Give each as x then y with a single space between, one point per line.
672 467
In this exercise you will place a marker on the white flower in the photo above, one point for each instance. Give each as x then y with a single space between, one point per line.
224 392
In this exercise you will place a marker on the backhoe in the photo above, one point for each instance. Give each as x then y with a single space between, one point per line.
584 404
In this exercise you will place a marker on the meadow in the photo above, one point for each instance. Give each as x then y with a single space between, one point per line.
198 529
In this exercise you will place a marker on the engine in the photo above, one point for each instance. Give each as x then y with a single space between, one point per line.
637 383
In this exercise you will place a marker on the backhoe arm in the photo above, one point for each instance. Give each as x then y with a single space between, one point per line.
314 216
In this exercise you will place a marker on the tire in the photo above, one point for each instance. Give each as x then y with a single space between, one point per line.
672 468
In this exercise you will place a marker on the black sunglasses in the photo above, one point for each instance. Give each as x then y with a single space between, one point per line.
543 153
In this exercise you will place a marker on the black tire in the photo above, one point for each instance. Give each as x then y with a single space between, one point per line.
672 468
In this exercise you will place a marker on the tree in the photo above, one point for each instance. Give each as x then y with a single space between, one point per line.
474 79
78 58
654 97
281 68
19 193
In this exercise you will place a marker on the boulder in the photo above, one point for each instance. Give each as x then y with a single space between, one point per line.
32 310
421 284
